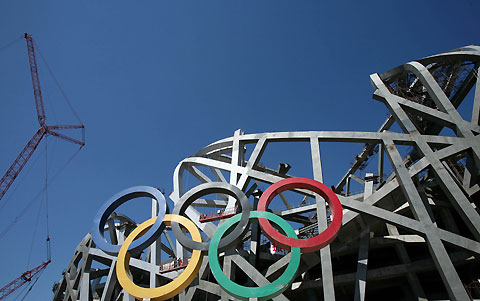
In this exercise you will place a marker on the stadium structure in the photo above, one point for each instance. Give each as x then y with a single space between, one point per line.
410 223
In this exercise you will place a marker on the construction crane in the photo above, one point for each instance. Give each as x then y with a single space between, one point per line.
31 276
44 129
28 276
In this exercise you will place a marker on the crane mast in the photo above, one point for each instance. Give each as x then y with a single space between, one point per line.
26 153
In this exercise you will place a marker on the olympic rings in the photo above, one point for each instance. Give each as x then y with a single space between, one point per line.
263 292
173 288
307 245
204 189
150 230
113 203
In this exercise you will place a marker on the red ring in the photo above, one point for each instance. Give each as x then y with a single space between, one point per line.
310 244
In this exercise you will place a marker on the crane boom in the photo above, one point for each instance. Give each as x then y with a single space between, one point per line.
27 151
37 92
21 160
21 280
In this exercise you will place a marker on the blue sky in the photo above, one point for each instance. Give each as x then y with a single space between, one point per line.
155 81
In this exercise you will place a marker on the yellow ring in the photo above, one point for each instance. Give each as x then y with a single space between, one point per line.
171 289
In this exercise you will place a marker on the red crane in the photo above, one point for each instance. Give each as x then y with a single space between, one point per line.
28 150
22 159
28 276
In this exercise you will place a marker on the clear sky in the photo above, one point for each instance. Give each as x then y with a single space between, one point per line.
155 81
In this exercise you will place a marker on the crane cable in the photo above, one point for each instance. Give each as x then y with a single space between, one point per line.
34 235
58 85
21 292
32 283
46 199
30 287
7 45
39 211
15 220
62 91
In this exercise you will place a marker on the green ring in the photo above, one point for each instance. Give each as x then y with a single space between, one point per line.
263 292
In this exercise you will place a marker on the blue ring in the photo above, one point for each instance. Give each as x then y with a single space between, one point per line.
113 203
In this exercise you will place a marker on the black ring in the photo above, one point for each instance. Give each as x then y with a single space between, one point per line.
207 188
